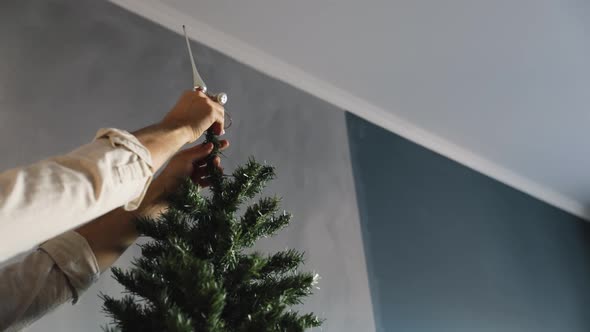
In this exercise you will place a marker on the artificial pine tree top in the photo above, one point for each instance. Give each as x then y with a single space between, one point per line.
196 275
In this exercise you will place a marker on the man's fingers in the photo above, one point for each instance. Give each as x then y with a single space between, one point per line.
220 120
200 163
217 162
218 128
223 144
200 168
217 116
200 175
197 155
198 152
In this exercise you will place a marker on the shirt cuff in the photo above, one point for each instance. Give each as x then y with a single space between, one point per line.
123 138
74 257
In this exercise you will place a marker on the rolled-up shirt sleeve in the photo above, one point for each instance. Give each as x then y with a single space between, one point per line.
50 197
59 271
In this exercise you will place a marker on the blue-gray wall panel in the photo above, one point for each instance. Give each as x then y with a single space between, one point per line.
449 249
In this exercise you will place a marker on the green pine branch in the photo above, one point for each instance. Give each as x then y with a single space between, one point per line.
197 274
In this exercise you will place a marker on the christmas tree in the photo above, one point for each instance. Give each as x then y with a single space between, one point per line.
198 274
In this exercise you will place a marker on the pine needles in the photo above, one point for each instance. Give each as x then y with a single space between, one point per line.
196 274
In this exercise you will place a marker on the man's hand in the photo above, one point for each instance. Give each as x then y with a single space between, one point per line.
111 234
195 112
191 163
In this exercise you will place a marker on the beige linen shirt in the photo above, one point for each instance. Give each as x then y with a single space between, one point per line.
60 270
45 199
51 197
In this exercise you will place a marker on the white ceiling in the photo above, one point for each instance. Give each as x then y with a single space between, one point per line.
502 86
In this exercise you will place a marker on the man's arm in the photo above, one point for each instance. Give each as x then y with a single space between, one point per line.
67 265
111 235
57 272
45 199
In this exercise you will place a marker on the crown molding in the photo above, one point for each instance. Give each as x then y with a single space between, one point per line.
173 19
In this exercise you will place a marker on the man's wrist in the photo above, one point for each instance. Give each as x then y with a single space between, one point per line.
163 140
183 133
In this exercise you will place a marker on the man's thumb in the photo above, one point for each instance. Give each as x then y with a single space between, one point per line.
198 152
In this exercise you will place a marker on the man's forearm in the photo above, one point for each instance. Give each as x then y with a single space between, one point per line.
67 265
163 141
72 189
111 234
50 197
60 271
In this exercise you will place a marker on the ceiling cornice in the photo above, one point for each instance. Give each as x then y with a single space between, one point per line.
173 19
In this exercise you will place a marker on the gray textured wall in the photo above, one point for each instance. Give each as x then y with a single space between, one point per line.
68 68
